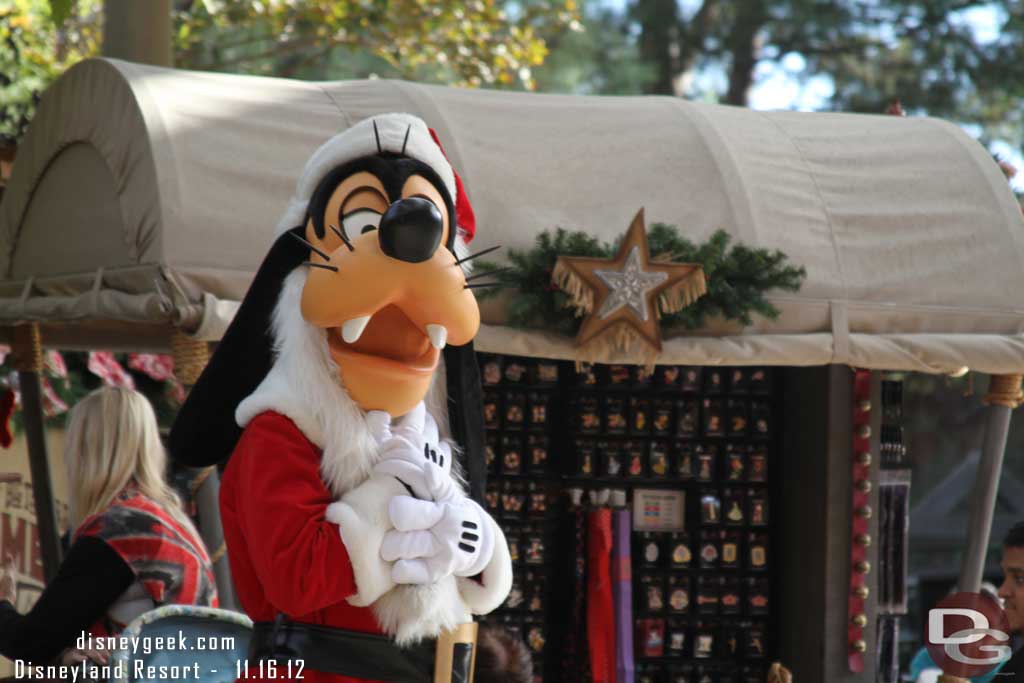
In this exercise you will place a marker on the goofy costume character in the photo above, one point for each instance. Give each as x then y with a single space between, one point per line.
353 544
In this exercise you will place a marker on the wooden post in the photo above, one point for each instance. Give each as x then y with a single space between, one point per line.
138 31
190 357
28 361
1004 394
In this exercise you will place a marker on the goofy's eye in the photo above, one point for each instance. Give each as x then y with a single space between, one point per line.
359 221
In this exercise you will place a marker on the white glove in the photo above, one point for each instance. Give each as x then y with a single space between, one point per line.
433 540
411 451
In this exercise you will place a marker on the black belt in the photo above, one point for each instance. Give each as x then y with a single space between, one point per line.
346 653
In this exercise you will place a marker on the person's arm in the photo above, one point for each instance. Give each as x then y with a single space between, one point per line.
281 502
89 580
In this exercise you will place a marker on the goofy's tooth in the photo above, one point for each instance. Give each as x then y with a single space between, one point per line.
353 329
438 335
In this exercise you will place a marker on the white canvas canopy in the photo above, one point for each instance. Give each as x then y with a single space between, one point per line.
143 199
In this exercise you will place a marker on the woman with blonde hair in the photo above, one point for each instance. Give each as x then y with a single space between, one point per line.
133 547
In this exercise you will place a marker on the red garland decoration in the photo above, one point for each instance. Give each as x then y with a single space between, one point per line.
6 411
860 539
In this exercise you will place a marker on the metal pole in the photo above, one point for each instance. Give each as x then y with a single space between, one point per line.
207 502
1003 397
28 352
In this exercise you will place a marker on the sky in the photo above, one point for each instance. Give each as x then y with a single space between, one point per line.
777 85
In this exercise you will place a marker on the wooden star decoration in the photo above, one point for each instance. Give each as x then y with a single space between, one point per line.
623 298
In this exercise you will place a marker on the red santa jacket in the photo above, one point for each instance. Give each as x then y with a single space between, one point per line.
285 556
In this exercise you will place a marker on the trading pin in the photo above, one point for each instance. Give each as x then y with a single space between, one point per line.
492 497
642 376
619 374
650 548
635 459
714 381
757 551
514 542
733 503
490 373
538 504
653 592
585 457
537 445
760 417
738 381
538 410
612 455
515 410
492 410
535 638
738 417
587 375
714 420
652 637
708 594
679 594
731 549
545 373
491 452
755 646
759 381
661 423
668 375
757 596
676 638
687 417
511 454
515 371
731 595
735 462
704 642
681 555
588 415
533 549
640 415
691 379
659 459
758 466
706 456
758 504
683 460
710 508
616 419
709 553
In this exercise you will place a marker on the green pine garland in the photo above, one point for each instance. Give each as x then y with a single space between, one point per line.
737 278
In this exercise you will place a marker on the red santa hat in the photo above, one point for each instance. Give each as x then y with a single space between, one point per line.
397 133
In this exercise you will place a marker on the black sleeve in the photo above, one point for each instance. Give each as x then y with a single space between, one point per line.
89 580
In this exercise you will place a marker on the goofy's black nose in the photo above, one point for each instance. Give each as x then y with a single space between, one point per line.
410 229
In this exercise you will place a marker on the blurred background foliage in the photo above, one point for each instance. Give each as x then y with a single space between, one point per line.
954 59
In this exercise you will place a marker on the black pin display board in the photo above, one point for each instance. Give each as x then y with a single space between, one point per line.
703 595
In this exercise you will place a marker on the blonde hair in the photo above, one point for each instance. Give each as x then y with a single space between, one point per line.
112 441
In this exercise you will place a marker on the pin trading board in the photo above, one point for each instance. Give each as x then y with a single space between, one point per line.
693 448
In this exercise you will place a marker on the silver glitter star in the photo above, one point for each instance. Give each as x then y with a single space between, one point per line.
629 286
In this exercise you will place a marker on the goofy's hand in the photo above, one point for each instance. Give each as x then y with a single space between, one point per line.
411 451
433 540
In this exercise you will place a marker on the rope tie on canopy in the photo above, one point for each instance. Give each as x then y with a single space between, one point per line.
27 348
190 357
1005 390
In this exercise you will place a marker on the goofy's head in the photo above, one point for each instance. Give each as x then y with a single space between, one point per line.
361 292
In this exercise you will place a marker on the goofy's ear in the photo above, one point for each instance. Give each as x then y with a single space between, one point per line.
205 432
466 415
